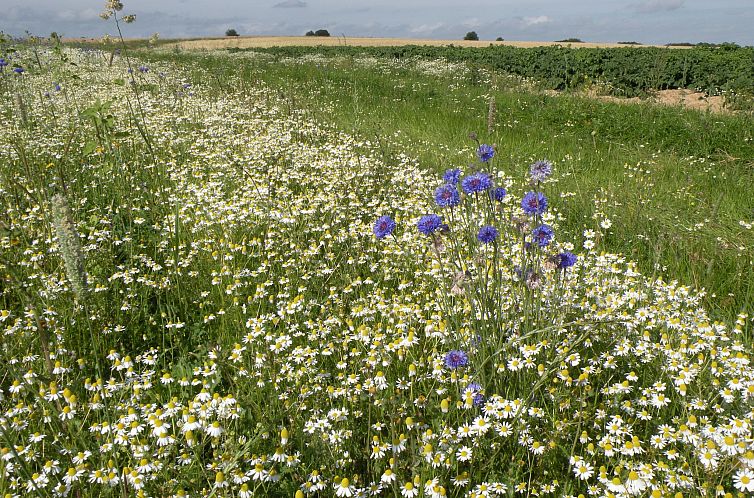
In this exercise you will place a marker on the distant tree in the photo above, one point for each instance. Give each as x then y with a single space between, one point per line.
471 35
231 32
499 38
321 32
570 40
629 43
310 33
729 46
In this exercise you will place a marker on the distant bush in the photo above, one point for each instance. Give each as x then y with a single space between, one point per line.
629 43
231 32
570 40
681 44
724 46
499 38
471 35
321 32
310 33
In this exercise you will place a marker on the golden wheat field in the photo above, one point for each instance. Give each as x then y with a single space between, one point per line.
277 41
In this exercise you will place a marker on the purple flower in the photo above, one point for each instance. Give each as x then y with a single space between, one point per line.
3 62
485 152
540 170
534 203
456 359
428 224
499 194
542 235
18 70
487 234
478 182
143 69
452 176
565 260
383 227
447 195
476 391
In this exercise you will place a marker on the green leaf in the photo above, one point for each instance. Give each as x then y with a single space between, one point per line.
89 148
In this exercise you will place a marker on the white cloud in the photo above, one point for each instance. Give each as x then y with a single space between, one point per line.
528 22
427 28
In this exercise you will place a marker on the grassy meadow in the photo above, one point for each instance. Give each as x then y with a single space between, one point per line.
238 274
675 183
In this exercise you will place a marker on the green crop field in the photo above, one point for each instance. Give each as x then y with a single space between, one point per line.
628 70
329 272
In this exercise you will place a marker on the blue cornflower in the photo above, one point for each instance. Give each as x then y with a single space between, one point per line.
478 182
18 70
447 195
383 227
499 194
565 260
428 224
534 203
540 170
542 235
143 69
456 359
487 234
56 86
485 152
3 62
476 391
452 176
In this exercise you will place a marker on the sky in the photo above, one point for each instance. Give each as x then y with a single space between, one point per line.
645 21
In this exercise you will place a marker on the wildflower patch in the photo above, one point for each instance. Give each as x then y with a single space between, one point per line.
223 298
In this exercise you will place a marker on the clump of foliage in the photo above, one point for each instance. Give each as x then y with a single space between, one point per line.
231 32
471 35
